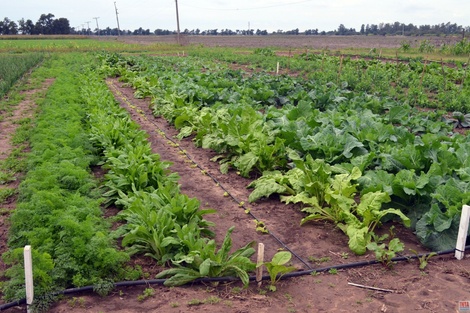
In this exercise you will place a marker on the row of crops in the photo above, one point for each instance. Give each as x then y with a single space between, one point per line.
351 155
13 66
60 205
320 143
414 81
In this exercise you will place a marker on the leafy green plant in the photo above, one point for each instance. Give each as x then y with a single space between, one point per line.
5 193
329 196
385 253
147 293
423 259
103 287
405 46
333 271
462 120
203 260
264 52
277 267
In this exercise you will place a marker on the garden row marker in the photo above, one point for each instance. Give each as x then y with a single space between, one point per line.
277 69
463 230
259 264
28 274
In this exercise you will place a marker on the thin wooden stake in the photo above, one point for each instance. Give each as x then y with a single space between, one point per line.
371 288
28 273
277 69
259 264
288 63
443 74
340 69
463 230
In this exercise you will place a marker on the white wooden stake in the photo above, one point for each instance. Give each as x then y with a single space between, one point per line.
259 262
28 274
463 230
277 69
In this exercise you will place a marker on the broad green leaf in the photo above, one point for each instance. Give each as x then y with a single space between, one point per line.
358 239
245 163
204 268
281 258
372 201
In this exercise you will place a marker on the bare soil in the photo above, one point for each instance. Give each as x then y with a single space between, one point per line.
293 41
437 289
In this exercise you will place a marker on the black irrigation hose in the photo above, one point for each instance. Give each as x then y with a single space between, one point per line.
231 279
176 144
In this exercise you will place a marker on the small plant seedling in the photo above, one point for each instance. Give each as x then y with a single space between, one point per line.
236 290
147 293
345 255
226 194
212 300
174 304
261 227
194 302
289 297
333 271
76 302
424 259
319 260
385 254
277 268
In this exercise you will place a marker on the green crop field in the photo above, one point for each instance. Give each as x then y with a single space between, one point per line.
358 142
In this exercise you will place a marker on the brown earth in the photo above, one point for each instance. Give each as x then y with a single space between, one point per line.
294 42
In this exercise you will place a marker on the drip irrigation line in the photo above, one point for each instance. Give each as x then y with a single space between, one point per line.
217 182
232 279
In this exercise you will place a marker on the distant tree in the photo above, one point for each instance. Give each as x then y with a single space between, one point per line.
61 26
341 30
26 27
363 29
44 24
311 31
8 27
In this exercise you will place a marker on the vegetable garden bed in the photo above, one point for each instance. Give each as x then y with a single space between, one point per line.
316 244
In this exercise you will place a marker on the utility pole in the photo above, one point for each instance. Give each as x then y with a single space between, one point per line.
117 18
97 27
88 28
177 24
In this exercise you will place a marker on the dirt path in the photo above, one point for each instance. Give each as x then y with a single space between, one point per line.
438 289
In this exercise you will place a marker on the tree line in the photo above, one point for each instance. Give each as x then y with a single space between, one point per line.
48 25
45 25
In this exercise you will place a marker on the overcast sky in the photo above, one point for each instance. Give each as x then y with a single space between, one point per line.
239 14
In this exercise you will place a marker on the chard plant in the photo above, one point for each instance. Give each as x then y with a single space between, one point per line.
277 267
204 260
